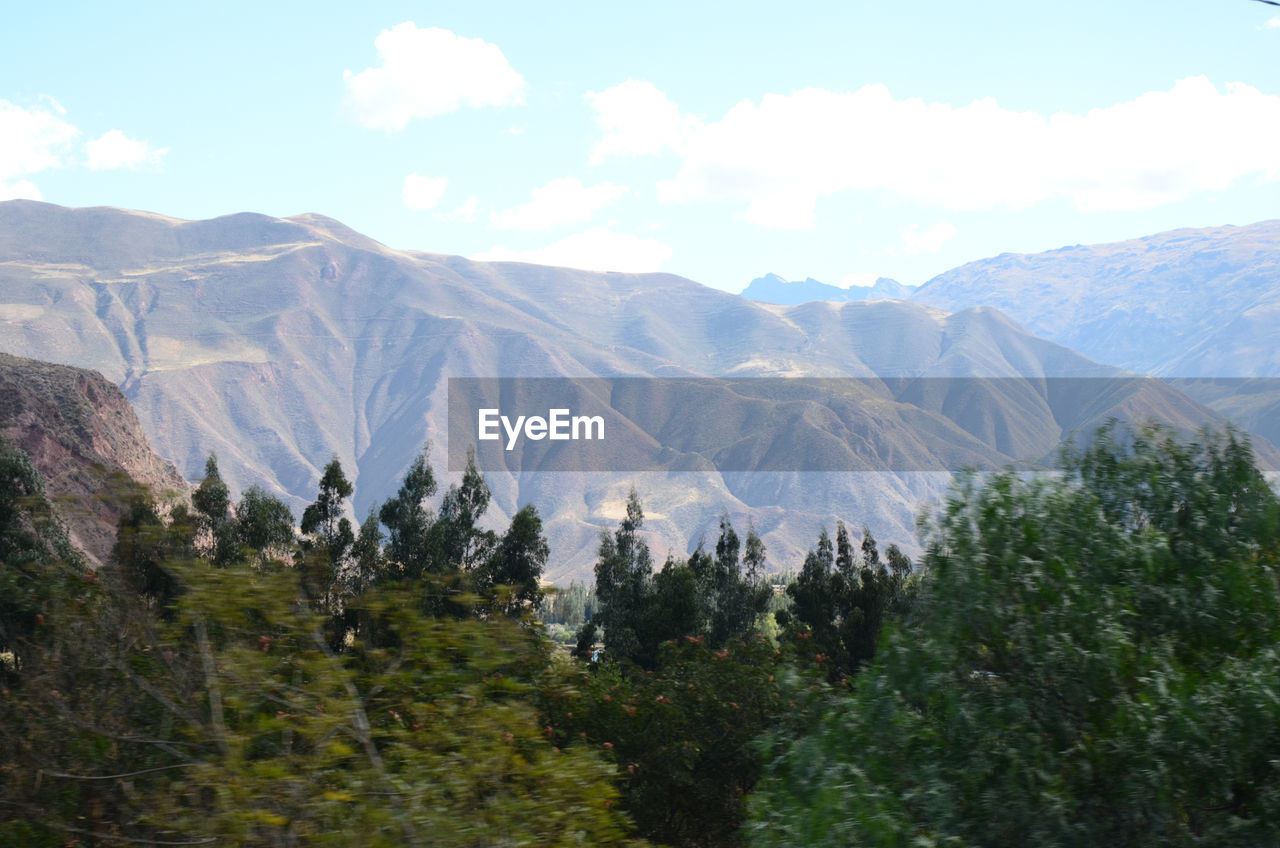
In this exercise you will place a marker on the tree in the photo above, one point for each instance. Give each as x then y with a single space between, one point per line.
841 600
325 555
464 568
584 647
623 570
867 595
813 593
325 518
143 545
674 609
736 599
237 724
37 562
408 521
212 503
683 734
431 738
368 561
212 498
457 540
571 606
846 564
704 595
511 578
753 556
1092 662
60 632
263 525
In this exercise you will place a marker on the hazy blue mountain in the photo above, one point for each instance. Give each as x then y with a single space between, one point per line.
1186 303
280 343
774 289
1199 303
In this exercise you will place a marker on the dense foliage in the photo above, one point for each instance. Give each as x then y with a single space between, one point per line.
1093 663
718 595
840 600
38 562
689 676
228 682
1085 659
683 732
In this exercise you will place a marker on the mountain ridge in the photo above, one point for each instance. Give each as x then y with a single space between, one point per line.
1167 304
278 344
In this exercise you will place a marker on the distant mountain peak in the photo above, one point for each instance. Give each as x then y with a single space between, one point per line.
1185 303
772 288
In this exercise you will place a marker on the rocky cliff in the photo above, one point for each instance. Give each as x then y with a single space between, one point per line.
81 433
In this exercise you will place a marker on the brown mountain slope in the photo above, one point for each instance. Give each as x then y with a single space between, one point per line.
79 430
280 343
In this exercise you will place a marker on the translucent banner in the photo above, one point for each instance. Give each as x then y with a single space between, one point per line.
895 424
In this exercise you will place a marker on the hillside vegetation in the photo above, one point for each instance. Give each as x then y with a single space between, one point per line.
1080 659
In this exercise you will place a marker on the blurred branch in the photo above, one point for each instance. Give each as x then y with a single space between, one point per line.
363 733
115 776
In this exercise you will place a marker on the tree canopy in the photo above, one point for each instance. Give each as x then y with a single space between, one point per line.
1092 663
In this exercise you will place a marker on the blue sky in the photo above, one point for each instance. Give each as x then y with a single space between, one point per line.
836 140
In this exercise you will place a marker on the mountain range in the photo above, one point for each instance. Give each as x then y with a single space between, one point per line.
1190 303
280 343
1185 303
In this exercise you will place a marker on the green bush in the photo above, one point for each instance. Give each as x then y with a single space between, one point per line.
1094 662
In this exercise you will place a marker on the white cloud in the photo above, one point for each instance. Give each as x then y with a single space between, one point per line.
40 138
423 73
32 140
421 192
113 149
1272 23
778 156
916 240
21 190
561 201
466 213
596 249
635 119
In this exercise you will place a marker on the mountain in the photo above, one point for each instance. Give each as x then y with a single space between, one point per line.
774 289
1194 303
280 343
80 432
1186 303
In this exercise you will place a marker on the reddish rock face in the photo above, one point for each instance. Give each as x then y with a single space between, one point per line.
82 434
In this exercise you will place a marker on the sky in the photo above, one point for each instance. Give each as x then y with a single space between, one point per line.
841 141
